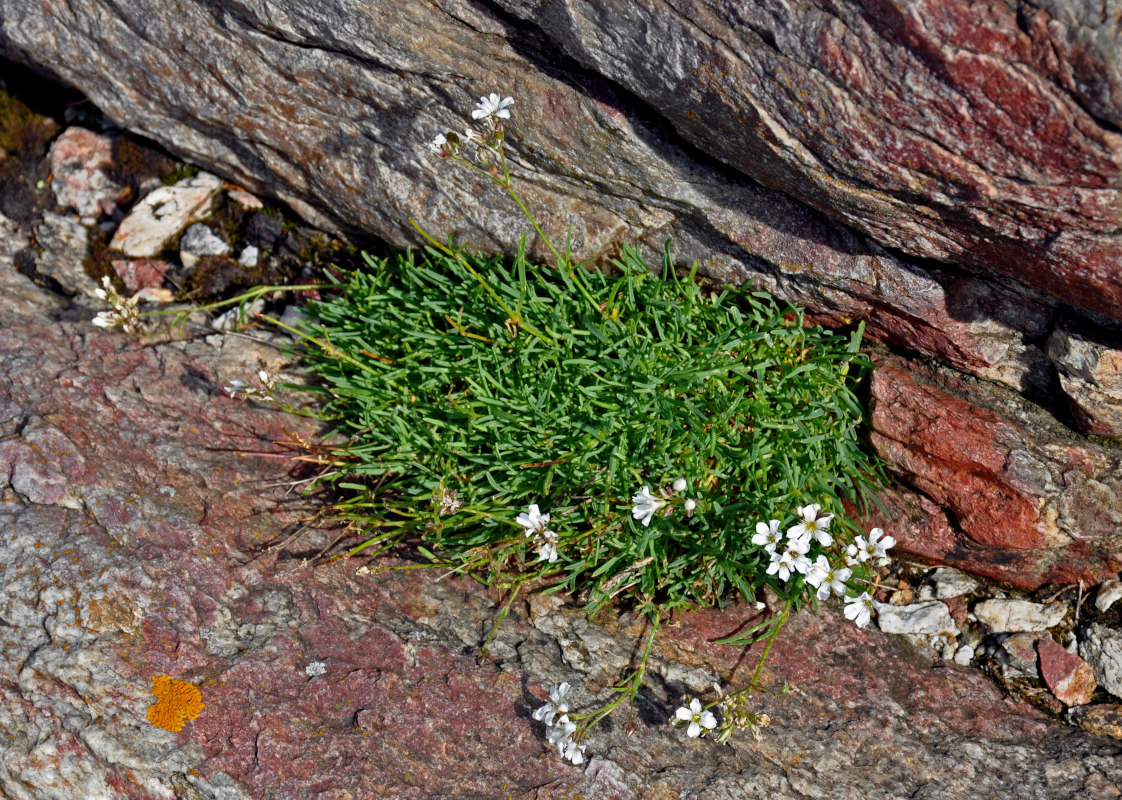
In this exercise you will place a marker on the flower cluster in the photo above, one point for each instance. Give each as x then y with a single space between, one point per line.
451 145
645 505
535 523
122 312
559 728
238 387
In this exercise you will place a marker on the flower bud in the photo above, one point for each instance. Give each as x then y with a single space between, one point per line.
680 485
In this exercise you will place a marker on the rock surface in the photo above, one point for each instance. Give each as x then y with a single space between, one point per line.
1101 647
945 170
1091 376
1069 677
1016 616
938 129
148 532
1031 502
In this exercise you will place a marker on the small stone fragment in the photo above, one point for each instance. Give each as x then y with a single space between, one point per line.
202 241
140 273
1102 649
1012 616
1021 653
150 295
80 159
964 655
248 257
931 617
950 583
237 318
1104 719
163 213
1109 592
1070 678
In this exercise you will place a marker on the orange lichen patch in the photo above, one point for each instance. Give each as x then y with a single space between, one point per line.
177 702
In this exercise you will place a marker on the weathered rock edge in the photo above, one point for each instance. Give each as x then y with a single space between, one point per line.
140 507
972 134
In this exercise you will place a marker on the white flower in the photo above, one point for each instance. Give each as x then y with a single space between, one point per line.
680 485
437 145
792 558
492 106
859 609
812 526
559 733
533 520
236 386
874 549
105 319
546 543
768 535
690 505
645 505
826 578
699 720
573 751
555 706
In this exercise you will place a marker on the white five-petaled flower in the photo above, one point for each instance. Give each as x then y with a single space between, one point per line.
767 535
827 578
859 609
812 526
492 106
869 549
790 559
698 718
533 520
645 505
555 706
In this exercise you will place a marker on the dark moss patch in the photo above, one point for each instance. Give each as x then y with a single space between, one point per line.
137 161
24 138
222 276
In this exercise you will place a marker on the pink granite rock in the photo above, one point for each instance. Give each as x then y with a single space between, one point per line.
1070 678
185 556
141 273
80 161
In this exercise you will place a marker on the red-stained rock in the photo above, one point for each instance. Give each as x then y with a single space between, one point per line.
1070 678
1011 477
141 273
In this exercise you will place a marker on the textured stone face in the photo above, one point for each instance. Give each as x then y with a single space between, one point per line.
1031 502
943 129
151 542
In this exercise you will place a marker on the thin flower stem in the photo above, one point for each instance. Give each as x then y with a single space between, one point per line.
627 689
510 312
754 683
